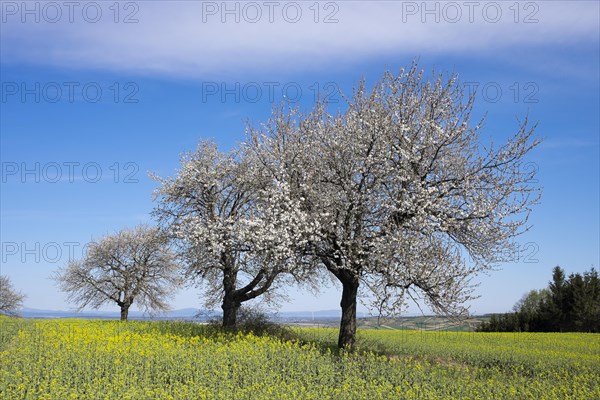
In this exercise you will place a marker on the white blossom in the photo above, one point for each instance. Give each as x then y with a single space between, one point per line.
393 185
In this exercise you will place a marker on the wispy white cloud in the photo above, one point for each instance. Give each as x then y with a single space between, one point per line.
188 39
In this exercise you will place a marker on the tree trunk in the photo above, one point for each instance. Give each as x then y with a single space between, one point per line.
230 308
347 336
231 303
124 312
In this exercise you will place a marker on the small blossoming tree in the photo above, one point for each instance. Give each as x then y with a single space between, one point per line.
133 265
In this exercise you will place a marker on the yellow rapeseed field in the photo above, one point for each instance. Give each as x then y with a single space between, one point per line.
92 359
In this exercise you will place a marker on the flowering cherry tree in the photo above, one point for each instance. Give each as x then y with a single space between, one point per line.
133 265
237 228
10 299
395 185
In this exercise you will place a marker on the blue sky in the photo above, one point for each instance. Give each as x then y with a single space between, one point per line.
93 99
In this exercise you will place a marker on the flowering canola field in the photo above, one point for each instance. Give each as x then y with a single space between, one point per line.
92 359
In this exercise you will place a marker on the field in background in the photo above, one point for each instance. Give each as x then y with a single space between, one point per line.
94 359
422 323
426 323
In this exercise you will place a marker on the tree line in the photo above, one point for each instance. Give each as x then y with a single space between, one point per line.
567 305
388 197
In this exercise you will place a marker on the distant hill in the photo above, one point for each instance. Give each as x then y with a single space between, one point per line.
185 313
323 318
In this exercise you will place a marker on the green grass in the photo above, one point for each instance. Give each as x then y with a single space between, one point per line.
92 359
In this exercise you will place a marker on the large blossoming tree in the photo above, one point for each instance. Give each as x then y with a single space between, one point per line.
400 190
237 229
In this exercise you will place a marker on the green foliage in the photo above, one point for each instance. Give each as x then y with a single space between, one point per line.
568 305
531 302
